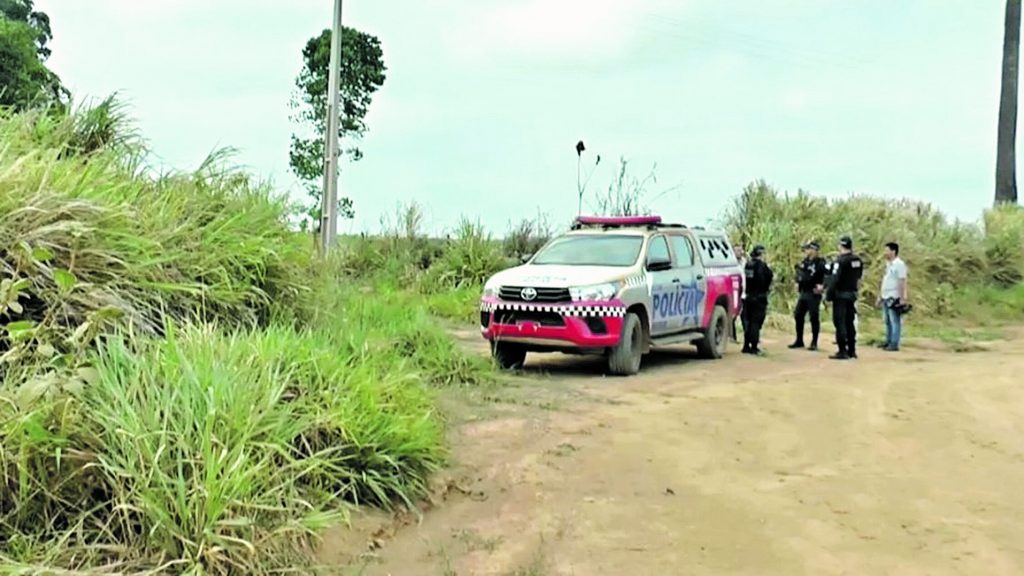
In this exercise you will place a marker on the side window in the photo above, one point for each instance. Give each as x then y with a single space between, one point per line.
658 250
684 251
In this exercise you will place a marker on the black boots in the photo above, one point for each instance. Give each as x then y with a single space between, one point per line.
848 352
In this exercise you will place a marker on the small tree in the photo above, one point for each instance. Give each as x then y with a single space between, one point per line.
362 73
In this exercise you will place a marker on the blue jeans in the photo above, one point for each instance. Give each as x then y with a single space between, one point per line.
893 325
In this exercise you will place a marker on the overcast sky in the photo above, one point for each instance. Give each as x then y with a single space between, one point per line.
485 99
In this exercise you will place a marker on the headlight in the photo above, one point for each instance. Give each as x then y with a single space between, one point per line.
491 289
596 292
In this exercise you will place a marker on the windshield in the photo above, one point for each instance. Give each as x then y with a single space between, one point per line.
603 250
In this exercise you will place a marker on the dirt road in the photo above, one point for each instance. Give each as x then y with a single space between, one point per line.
790 464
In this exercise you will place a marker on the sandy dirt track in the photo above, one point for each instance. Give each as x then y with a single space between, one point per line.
792 464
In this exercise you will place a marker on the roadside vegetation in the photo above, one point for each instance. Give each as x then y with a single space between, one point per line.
188 387
962 275
185 386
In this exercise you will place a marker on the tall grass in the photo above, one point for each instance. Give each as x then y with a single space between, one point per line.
950 262
90 239
957 269
215 452
181 390
402 251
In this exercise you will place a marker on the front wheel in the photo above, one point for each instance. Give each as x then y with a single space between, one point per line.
508 356
713 344
624 359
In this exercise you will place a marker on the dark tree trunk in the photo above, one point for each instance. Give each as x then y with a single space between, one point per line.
1006 156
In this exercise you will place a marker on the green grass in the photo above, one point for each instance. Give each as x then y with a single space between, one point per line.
218 451
458 305
957 270
184 387
93 244
245 441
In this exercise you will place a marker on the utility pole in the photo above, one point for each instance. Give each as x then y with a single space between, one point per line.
329 210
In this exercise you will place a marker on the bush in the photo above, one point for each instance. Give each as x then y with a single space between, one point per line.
88 242
212 450
1004 244
393 324
182 389
468 260
527 237
944 257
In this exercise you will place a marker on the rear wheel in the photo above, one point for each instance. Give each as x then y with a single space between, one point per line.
624 359
508 356
713 344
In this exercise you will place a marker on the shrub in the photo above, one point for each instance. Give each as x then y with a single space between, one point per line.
86 241
527 237
943 256
213 450
182 390
1004 244
468 259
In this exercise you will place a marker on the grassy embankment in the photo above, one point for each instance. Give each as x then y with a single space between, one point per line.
185 386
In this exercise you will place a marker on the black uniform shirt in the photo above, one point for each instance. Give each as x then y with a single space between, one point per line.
759 278
810 273
847 271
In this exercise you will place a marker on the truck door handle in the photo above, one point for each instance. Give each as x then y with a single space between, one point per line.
675 280
700 276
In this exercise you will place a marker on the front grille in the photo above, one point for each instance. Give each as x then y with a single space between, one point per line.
513 317
547 295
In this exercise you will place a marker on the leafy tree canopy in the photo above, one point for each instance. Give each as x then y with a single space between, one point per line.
24 78
362 73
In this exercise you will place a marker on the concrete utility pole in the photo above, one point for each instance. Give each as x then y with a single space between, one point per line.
329 212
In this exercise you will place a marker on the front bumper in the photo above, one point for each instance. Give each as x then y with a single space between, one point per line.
576 325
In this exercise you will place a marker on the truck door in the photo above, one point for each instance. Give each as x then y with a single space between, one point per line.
692 285
664 279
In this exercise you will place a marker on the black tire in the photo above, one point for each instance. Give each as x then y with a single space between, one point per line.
624 359
508 356
715 341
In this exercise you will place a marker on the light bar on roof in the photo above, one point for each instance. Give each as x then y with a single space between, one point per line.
619 220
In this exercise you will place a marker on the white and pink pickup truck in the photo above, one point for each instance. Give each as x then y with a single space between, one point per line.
617 287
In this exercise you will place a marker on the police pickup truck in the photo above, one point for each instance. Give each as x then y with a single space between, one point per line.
616 286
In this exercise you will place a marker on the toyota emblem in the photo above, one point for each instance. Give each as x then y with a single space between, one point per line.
528 293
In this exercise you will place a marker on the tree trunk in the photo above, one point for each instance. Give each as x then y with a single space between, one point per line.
1006 156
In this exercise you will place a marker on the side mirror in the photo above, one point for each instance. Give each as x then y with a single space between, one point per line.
525 258
659 265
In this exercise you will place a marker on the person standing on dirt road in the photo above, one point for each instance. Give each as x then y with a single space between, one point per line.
741 258
758 278
810 283
842 292
892 296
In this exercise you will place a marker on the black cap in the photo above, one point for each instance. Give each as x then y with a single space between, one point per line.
757 251
812 245
846 242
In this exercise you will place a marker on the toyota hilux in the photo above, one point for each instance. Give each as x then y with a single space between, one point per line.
618 287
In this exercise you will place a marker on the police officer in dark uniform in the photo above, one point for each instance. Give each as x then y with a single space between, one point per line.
843 288
810 282
759 278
